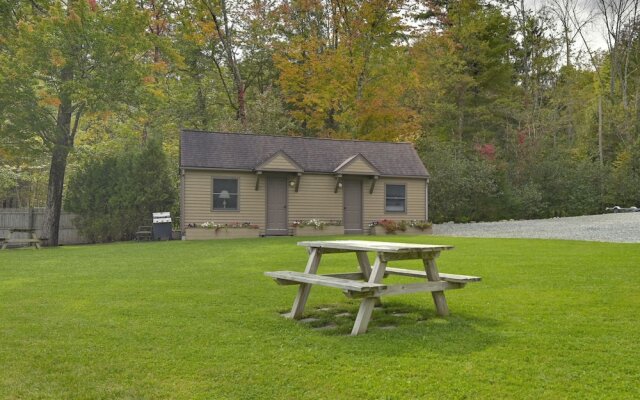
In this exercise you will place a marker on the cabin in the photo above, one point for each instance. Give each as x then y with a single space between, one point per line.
274 184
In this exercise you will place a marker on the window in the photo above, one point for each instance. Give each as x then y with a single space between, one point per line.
225 194
395 198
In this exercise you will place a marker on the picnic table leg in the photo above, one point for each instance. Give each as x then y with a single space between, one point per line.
366 307
305 288
433 275
365 268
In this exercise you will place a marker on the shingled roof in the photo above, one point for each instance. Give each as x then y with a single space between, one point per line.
241 151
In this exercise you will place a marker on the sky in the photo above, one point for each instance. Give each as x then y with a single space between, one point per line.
594 33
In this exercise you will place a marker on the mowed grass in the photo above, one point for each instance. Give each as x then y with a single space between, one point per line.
198 320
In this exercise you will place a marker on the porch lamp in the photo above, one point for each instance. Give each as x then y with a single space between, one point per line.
224 195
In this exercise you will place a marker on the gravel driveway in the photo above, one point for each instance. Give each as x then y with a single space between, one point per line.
621 228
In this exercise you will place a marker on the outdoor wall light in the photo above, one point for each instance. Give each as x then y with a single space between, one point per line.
338 183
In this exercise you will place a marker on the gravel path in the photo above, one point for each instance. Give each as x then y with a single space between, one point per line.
621 228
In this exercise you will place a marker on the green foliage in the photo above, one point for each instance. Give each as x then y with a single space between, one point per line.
114 195
527 201
84 59
461 186
8 181
266 115
624 185
558 186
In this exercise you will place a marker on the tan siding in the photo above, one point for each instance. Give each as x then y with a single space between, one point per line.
198 198
279 163
315 199
416 198
358 166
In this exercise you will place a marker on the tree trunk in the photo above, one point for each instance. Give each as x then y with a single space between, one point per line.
612 75
242 110
360 85
60 145
201 102
460 125
51 224
600 156
567 42
226 38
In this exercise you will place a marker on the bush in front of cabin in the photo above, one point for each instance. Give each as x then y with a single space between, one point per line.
115 194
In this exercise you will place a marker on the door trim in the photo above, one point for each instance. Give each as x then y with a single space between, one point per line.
276 232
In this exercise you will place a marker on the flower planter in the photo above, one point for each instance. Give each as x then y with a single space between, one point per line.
327 230
379 230
222 233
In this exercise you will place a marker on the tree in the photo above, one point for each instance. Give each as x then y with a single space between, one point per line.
114 195
573 18
341 72
67 61
467 74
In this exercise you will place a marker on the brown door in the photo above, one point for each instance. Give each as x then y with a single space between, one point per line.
352 189
277 206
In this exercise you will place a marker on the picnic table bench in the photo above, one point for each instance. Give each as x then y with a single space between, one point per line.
32 240
367 283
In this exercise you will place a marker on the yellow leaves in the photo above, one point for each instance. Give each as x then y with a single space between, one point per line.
202 32
103 116
151 87
56 57
157 93
160 67
208 28
49 100
74 17
25 26
623 159
197 38
381 116
345 93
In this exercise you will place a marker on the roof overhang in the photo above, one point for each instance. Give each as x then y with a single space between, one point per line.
249 170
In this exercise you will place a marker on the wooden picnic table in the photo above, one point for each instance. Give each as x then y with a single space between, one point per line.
32 240
367 282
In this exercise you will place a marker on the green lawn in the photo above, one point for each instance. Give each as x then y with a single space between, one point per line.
198 320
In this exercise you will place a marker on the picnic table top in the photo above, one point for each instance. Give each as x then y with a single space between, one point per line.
366 245
22 230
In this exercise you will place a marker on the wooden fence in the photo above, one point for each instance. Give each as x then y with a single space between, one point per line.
33 218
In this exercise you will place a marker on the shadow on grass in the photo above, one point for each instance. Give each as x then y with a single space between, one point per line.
413 327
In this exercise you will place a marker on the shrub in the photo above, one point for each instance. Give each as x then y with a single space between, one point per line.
114 195
624 185
461 186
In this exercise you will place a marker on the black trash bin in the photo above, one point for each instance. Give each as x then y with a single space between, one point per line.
161 226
